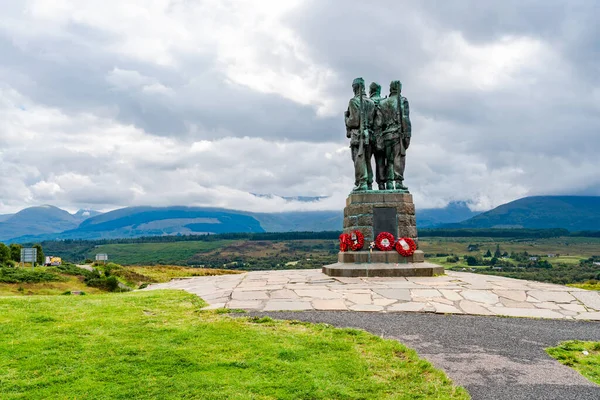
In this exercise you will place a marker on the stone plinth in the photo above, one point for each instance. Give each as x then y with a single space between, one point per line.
372 213
382 269
391 257
369 213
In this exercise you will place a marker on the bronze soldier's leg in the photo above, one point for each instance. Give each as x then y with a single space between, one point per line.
368 156
389 167
353 152
380 168
399 164
360 169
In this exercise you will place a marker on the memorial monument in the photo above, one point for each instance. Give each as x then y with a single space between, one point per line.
380 233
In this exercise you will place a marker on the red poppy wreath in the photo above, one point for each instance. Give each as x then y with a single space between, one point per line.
406 247
385 241
357 240
344 242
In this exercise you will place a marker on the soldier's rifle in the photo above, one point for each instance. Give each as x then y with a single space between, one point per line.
400 119
361 123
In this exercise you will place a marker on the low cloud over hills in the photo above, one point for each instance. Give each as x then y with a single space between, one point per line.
48 223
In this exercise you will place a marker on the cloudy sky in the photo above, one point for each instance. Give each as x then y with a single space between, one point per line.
110 103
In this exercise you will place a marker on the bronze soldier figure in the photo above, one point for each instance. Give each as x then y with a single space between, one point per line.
396 135
359 119
377 145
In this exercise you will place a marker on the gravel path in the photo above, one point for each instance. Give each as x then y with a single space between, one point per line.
493 358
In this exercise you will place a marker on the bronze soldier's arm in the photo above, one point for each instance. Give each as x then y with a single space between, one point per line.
352 115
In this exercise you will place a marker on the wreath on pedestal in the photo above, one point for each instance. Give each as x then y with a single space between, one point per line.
384 241
406 247
344 242
357 240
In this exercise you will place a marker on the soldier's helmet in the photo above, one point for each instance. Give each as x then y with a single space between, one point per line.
374 88
358 82
395 86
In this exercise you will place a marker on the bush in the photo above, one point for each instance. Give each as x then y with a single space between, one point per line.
70 269
472 261
110 283
4 254
452 259
20 275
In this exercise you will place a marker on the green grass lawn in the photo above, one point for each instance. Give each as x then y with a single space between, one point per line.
176 253
158 345
571 354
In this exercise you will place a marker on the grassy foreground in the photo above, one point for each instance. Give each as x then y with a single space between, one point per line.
571 353
159 345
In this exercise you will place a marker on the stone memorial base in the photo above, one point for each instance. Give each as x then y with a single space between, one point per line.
352 270
390 257
373 212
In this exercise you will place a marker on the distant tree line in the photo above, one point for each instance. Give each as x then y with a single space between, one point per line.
495 233
10 255
325 235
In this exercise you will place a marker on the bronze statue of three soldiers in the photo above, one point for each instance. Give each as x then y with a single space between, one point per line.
378 127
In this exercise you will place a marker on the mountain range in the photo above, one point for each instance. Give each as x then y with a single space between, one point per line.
51 223
575 213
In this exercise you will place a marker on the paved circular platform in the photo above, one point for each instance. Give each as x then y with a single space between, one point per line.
453 293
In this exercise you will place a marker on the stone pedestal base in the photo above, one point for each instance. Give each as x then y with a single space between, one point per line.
348 270
380 211
390 257
373 212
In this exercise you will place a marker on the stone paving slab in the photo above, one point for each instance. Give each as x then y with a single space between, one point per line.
453 293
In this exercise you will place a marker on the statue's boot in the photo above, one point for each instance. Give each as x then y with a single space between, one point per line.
390 186
400 186
370 187
381 186
360 188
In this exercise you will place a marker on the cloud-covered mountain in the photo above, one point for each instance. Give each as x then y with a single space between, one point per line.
575 213
38 220
453 212
151 221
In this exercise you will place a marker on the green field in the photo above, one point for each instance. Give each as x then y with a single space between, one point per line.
572 354
158 345
569 248
175 253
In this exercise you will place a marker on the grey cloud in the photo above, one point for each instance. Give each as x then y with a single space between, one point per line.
483 132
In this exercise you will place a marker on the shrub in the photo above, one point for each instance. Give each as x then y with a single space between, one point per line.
20 275
472 261
110 283
4 254
70 269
